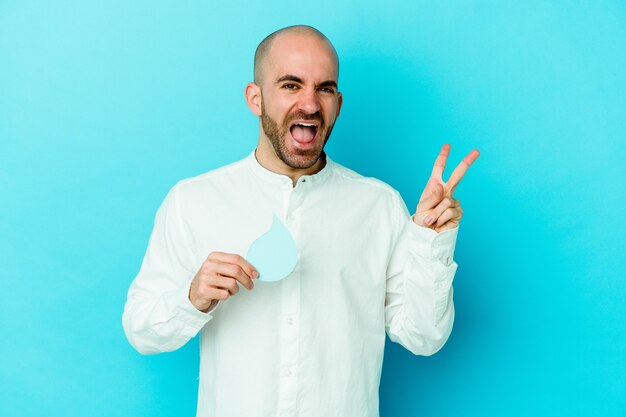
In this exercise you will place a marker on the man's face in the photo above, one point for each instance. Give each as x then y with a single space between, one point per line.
299 98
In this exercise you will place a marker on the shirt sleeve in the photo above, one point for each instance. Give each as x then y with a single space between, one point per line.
419 311
158 316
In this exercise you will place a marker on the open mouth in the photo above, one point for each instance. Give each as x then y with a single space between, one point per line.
304 132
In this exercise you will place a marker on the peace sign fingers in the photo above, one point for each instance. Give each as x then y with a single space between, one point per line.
461 169
437 209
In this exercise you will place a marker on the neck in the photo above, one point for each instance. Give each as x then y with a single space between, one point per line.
267 157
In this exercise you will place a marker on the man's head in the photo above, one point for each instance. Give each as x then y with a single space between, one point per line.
295 94
261 53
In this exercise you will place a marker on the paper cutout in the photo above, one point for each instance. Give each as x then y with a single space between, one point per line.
274 253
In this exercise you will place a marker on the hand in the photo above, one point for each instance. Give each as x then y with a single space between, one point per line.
218 279
437 209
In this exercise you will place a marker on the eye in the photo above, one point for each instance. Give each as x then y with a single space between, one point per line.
328 90
290 86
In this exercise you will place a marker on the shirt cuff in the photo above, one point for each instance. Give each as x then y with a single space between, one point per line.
186 312
427 243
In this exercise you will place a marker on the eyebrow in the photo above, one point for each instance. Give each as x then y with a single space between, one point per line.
328 83
294 78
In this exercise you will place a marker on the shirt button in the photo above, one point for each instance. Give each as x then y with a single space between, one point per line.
289 321
287 372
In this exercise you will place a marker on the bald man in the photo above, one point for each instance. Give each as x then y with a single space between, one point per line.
311 344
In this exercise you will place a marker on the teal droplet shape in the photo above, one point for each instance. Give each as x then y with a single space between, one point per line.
274 253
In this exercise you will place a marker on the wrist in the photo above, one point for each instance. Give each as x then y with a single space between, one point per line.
201 306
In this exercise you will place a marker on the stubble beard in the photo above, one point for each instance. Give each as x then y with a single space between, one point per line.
300 159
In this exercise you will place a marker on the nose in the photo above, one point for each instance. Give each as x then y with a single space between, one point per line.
309 101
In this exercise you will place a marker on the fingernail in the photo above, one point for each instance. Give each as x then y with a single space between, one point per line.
255 274
428 220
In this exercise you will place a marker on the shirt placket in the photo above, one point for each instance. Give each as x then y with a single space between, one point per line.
290 315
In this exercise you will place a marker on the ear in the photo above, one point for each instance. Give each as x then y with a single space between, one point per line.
253 98
339 103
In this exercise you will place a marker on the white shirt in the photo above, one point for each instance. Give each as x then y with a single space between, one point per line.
312 344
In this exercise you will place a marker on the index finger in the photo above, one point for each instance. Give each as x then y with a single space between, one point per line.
461 169
440 162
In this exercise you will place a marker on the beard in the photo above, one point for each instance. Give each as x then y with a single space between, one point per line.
298 158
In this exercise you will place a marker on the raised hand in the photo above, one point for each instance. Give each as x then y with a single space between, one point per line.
437 209
218 279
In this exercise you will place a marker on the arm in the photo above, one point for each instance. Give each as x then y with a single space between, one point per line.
419 311
158 316
167 304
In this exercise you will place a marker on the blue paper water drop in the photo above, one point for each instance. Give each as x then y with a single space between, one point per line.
274 253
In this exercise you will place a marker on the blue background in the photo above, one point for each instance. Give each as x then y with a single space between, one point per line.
105 105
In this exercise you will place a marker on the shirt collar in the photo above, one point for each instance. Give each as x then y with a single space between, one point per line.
280 179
